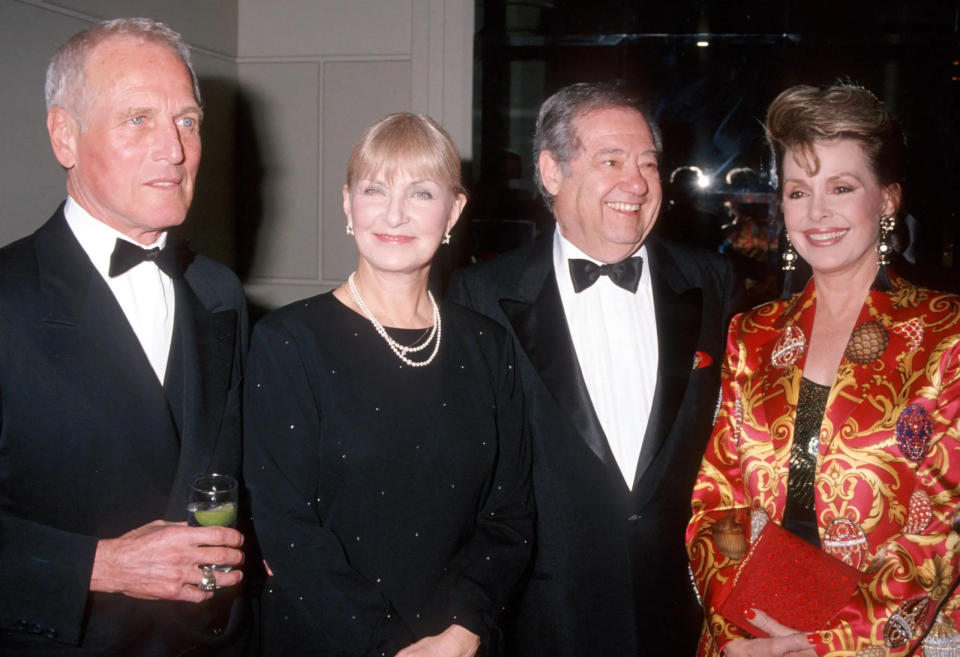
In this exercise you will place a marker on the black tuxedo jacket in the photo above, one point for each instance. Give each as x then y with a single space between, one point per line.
610 570
92 446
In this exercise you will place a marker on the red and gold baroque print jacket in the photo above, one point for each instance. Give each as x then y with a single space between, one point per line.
888 462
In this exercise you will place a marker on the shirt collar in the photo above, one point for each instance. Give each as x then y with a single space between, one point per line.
97 238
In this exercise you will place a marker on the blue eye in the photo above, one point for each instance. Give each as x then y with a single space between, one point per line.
187 122
136 120
424 194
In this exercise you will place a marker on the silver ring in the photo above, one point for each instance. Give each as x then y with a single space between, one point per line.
208 582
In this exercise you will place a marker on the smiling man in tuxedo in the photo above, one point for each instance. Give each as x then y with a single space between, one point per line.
120 355
620 337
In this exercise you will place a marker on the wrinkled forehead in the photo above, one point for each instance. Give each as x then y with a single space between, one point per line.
613 127
120 59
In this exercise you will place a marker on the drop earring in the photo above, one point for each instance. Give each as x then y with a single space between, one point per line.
788 264
884 249
349 229
446 238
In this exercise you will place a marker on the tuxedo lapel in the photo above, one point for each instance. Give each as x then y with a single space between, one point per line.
678 313
207 342
90 339
536 314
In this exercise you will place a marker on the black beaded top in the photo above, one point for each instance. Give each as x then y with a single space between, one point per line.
800 516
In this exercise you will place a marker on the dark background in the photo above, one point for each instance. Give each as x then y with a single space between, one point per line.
710 101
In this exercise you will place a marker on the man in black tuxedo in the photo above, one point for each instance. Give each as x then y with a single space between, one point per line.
620 339
119 373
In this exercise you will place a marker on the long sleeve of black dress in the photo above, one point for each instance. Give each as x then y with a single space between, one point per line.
389 501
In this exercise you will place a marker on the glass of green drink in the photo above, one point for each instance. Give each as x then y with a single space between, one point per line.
212 501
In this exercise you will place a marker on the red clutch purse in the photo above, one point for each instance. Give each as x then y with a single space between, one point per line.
790 580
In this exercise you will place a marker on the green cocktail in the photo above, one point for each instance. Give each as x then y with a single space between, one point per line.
213 502
221 515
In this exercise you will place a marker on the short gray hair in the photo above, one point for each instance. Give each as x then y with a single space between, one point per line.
65 84
555 130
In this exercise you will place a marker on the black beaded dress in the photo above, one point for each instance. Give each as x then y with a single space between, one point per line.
389 501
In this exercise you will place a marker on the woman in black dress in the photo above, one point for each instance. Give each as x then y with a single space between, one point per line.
384 438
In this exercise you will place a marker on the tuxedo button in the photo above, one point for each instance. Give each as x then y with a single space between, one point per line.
23 625
37 629
50 633
635 518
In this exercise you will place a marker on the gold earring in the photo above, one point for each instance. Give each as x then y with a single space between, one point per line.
787 266
887 224
789 256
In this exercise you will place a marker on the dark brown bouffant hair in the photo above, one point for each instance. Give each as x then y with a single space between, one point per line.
804 115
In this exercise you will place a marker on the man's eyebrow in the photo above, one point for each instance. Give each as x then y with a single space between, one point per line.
191 109
612 150
134 110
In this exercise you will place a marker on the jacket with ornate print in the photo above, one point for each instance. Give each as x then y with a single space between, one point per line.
888 463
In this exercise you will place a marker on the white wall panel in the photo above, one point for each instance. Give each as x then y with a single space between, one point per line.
323 27
208 24
355 94
283 100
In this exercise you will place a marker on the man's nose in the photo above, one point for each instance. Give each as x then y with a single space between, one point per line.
635 181
168 143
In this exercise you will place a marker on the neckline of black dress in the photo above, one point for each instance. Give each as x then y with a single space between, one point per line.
407 336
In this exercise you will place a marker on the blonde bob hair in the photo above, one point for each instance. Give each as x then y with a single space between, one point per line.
413 143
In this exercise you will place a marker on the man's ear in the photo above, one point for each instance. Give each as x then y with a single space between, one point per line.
64 132
551 173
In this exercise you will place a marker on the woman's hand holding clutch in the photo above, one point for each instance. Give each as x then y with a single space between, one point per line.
783 641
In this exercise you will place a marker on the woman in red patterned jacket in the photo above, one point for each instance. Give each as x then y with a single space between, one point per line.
840 407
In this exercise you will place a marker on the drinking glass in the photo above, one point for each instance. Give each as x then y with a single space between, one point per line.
212 501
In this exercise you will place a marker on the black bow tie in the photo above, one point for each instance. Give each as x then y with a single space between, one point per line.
172 259
625 273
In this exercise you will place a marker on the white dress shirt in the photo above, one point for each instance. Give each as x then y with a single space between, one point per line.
145 293
615 336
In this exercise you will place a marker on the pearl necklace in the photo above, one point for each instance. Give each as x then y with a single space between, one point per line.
400 350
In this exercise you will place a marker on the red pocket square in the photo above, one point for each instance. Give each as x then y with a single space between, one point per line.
701 359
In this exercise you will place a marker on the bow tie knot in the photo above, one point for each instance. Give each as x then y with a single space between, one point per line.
172 259
625 274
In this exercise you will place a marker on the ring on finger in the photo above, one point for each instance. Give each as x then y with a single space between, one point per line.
208 582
